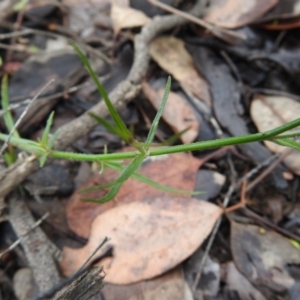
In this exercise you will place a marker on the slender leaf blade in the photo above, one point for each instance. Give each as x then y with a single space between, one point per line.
159 113
119 167
8 119
125 174
46 132
287 143
107 125
117 119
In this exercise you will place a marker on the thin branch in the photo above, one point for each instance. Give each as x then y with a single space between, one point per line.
19 240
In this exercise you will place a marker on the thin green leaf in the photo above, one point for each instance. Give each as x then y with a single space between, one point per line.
53 139
125 174
9 157
8 119
46 132
114 129
287 143
171 140
119 167
43 160
159 113
117 119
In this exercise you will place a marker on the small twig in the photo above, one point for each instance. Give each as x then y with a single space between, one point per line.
212 238
105 240
255 170
19 240
14 106
233 67
4 146
273 92
271 225
268 169
213 29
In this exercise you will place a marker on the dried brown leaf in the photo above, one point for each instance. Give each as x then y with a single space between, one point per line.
178 171
269 112
177 113
169 286
126 17
149 237
171 55
237 13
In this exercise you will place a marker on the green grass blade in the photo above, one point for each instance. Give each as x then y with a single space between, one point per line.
53 139
112 128
171 140
43 159
159 113
8 119
46 132
287 143
126 135
125 174
119 167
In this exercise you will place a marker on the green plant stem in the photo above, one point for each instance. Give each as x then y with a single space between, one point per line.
256 137
231 141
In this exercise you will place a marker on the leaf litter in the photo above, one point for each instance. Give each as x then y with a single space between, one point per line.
149 237
173 218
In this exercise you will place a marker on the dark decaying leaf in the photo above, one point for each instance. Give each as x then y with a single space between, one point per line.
228 108
263 257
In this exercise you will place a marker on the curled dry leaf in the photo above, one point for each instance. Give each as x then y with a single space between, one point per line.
126 17
178 171
177 113
237 13
149 237
268 112
171 55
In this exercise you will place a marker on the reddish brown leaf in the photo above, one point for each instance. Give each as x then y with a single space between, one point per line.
170 53
149 237
177 113
237 13
177 171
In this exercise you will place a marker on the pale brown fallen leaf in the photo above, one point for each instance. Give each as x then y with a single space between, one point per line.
268 112
169 286
178 171
126 17
149 237
177 113
237 13
99 4
171 55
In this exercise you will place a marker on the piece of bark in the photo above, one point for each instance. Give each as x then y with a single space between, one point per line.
85 287
38 250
